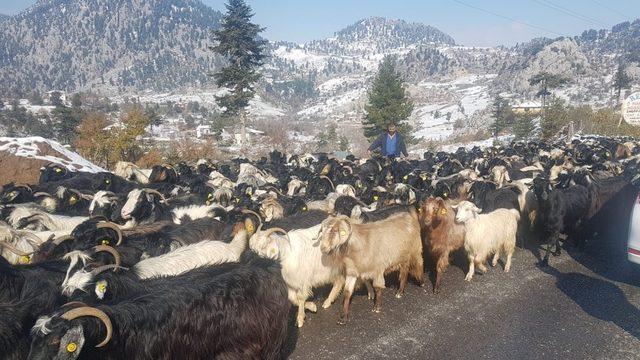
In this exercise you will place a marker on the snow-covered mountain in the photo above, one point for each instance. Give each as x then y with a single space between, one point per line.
157 50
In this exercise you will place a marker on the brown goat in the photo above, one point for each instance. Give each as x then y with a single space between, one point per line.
441 233
370 250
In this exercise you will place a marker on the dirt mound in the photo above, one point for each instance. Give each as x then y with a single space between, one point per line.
22 158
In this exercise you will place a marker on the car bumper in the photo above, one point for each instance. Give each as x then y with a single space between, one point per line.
633 255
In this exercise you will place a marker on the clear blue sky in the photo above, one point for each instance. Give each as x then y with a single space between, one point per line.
302 20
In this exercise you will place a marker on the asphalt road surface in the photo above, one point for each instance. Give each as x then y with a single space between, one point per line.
585 305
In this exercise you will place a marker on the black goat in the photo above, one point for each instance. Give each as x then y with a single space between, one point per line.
240 308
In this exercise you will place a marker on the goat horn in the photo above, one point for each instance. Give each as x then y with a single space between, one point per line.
247 211
81 195
61 239
102 268
24 186
112 226
349 168
42 193
270 231
91 311
155 192
331 182
110 250
35 240
13 249
276 190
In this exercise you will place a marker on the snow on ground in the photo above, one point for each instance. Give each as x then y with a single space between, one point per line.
435 121
334 103
28 147
261 108
481 143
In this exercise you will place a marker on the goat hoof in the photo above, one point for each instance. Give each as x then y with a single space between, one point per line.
299 323
343 320
398 295
311 307
376 310
326 305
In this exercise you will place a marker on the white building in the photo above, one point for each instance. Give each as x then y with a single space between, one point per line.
203 131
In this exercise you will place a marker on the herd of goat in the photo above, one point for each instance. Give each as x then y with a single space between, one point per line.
205 260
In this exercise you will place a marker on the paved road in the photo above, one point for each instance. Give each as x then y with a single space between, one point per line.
586 305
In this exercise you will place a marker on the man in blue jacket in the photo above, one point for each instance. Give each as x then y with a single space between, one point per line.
391 143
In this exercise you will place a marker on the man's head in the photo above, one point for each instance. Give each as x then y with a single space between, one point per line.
391 128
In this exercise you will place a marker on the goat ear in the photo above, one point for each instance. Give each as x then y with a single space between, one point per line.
344 230
477 209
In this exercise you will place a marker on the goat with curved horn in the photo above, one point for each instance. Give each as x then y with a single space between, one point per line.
247 211
110 250
331 182
112 226
155 192
94 312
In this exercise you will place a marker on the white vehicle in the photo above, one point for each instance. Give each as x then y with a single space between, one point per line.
633 245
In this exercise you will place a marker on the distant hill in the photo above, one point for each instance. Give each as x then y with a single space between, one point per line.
159 51
107 45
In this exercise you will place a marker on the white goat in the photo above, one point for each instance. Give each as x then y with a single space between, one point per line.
173 263
40 220
303 265
193 256
130 171
485 234
500 175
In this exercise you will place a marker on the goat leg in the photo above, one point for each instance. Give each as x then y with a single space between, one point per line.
441 266
377 307
402 276
350 283
335 291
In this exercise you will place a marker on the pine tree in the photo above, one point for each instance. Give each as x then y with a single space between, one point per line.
66 123
388 102
556 117
502 116
523 126
547 81
237 40
621 81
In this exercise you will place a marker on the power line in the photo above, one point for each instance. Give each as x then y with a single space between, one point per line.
507 18
612 10
569 12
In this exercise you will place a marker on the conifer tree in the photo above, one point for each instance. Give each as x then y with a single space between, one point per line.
388 102
237 40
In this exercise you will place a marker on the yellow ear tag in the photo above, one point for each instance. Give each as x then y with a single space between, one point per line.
375 197
250 227
343 233
419 210
273 251
236 200
105 242
58 170
443 211
250 191
405 177
445 194
209 195
359 185
208 202
304 208
73 200
102 287
107 181
72 347
25 259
